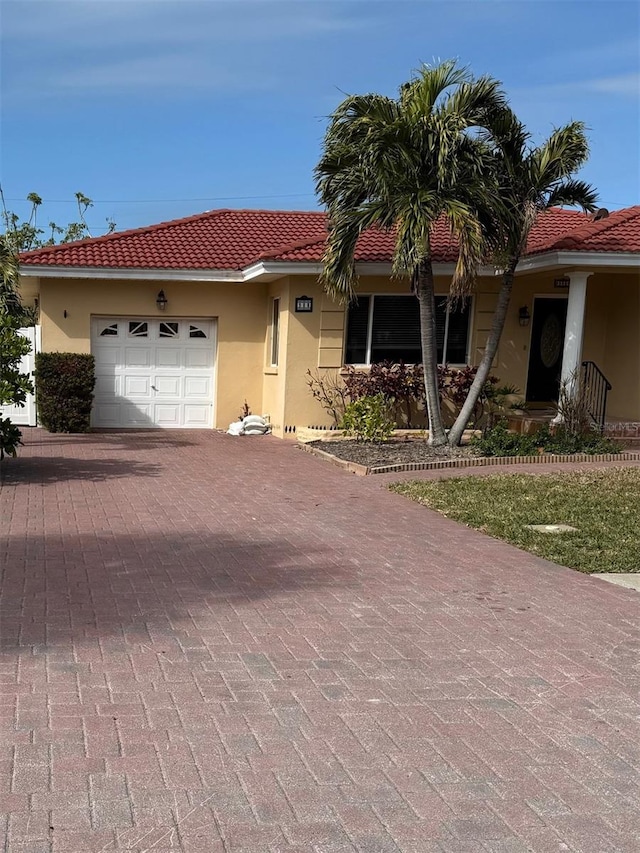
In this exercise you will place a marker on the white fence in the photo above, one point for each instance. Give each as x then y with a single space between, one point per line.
25 415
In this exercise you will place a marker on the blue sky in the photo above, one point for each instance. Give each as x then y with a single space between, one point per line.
158 109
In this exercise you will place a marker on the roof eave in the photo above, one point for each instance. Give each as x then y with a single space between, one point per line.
136 273
269 270
547 260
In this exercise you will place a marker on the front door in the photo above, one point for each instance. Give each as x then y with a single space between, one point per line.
547 343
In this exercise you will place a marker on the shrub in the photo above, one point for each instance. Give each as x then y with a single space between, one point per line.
498 441
402 385
330 391
561 439
14 386
455 383
64 390
10 438
573 407
368 419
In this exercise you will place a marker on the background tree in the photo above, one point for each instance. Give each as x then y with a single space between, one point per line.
21 236
26 235
530 180
401 165
10 304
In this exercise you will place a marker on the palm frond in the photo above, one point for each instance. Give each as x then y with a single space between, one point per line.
419 96
9 263
478 102
566 150
575 194
339 276
472 249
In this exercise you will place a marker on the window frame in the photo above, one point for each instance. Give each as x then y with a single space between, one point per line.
372 296
274 332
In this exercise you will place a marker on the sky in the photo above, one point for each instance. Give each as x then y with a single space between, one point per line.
158 109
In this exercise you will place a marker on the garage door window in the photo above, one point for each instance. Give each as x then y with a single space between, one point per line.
138 330
109 331
169 330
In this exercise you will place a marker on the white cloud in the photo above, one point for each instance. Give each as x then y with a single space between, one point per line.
53 47
166 72
623 85
620 84
188 21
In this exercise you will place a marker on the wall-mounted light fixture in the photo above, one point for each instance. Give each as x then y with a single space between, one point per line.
524 316
161 301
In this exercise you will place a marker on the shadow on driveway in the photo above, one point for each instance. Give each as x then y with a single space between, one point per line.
142 439
46 470
59 590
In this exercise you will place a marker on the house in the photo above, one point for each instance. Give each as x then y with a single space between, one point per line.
189 319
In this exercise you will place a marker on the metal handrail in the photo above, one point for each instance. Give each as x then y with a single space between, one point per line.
595 387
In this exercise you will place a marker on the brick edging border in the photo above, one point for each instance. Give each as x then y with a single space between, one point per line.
468 462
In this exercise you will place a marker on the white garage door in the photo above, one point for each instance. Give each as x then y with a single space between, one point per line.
153 373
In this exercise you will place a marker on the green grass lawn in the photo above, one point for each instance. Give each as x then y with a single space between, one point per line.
604 505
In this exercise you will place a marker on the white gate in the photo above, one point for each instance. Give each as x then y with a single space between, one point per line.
25 415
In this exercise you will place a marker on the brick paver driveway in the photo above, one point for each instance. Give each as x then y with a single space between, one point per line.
217 644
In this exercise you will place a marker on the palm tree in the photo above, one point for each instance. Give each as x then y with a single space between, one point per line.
531 180
400 165
9 268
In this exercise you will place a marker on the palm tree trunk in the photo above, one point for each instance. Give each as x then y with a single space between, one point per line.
491 348
427 304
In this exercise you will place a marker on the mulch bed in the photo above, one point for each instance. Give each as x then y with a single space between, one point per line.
392 452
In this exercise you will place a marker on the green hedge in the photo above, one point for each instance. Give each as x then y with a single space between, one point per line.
64 390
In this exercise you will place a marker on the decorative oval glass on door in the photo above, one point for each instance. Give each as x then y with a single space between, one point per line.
551 341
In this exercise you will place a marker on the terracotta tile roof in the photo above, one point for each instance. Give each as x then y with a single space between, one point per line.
551 225
235 239
619 232
218 239
376 245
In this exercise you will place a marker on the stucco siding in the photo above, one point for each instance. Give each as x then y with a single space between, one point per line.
238 309
315 340
274 376
621 362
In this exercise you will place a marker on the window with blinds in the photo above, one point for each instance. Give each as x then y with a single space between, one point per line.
387 328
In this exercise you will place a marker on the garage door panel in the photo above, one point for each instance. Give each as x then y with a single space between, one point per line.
196 357
107 386
197 415
169 357
106 357
136 357
151 379
167 385
137 386
197 386
107 414
168 415
137 414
